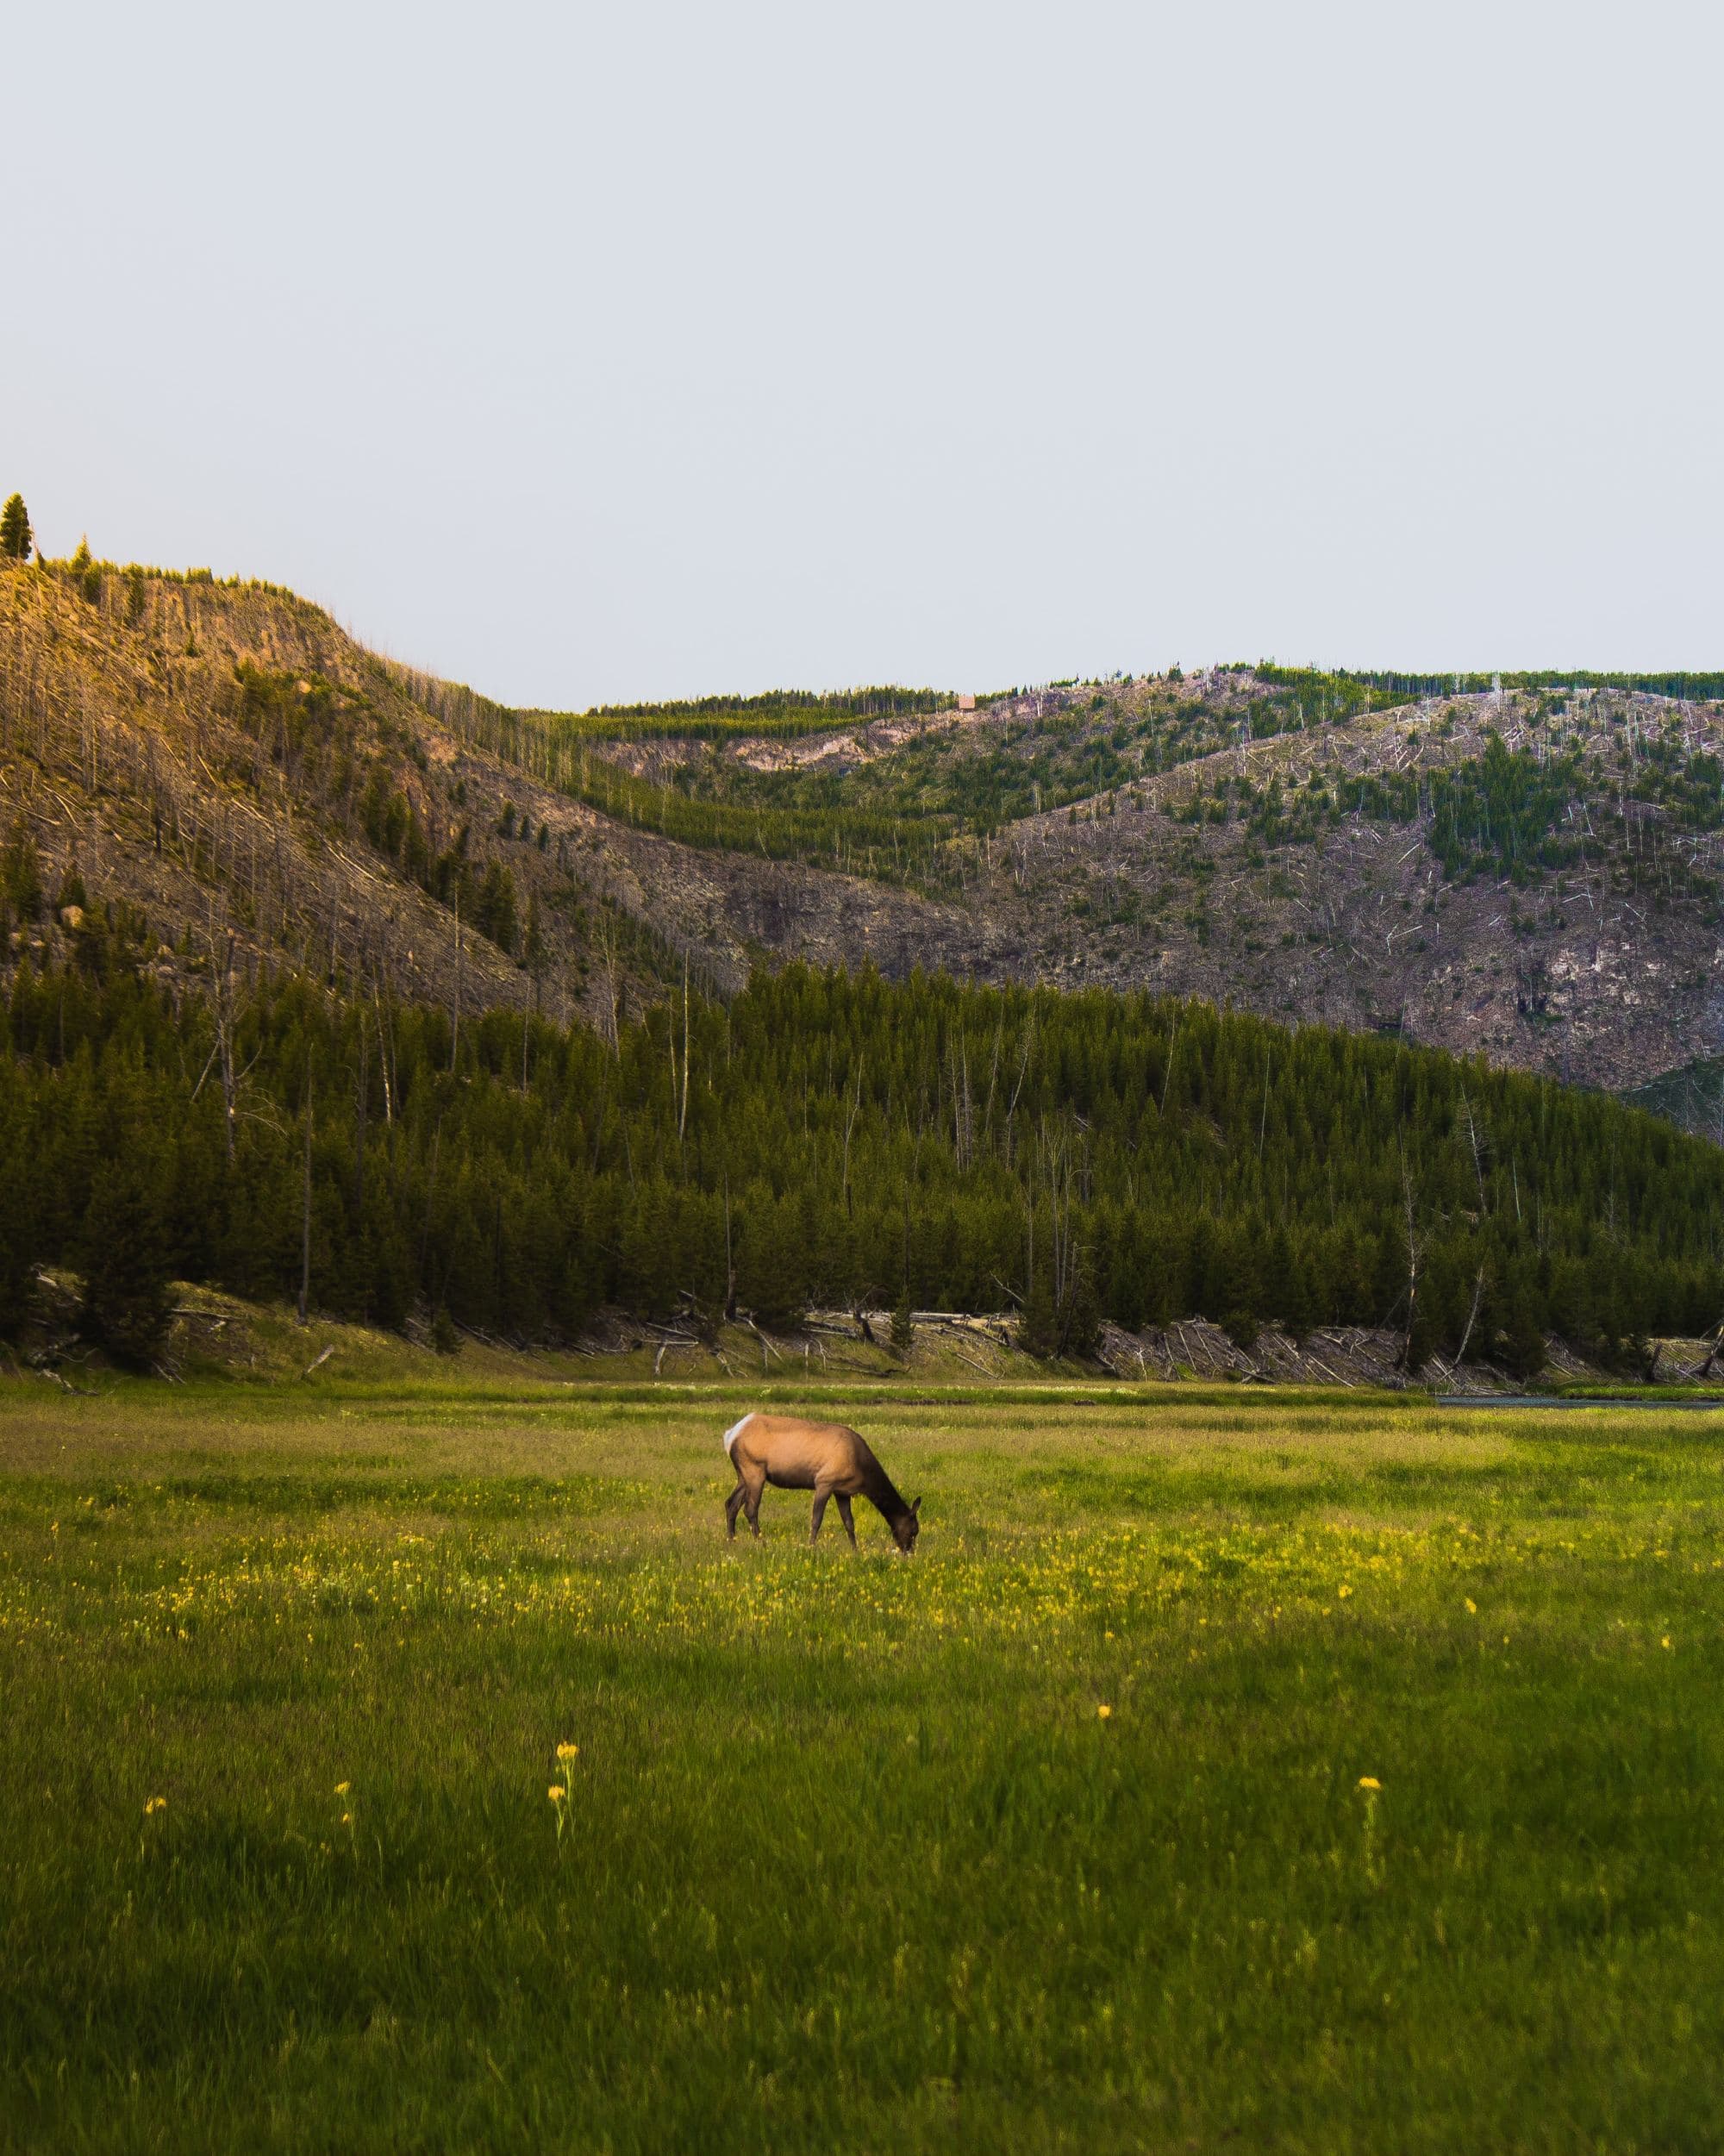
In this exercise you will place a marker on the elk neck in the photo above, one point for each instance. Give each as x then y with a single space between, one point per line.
881 1493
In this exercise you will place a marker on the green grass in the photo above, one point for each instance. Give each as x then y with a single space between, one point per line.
1625 1393
853 1860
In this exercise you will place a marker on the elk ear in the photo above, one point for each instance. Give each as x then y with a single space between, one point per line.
915 1507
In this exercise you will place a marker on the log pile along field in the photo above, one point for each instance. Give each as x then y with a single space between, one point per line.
417 1768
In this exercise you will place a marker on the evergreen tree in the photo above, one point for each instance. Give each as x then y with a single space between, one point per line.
902 1336
16 536
127 1303
1422 1337
494 910
18 1223
1080 1320
86 574
1298 1303
1520 1348
1038 1326
533 954
771 1279
21 874
1241 1327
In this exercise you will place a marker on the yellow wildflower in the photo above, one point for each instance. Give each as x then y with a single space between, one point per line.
1666 1640
1102 1713
567 1751
1471 1607
341 1788
346 1819
1369 1781
1343 1591
155 1804
556 1792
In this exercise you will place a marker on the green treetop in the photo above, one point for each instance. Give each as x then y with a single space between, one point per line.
15 534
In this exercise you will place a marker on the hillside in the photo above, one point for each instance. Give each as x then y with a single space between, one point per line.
1530 873
218 775
1692 1096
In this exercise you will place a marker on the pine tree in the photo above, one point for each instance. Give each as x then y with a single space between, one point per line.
16 536
1298 1311
86 574
18 1224
770 1277
21 872
534 955
903 1333
1521 1349
1038 1326
1423 1340
126 1305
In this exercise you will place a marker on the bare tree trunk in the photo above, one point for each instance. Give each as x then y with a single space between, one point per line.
305 1240
1472 1318
1263 1119
849 1127
455 1028
729 1260
1412 1267
361 1091
683 1118
607 943
222 972
384 1037
1478 1163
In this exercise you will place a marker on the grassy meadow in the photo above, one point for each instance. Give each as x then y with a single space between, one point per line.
1289 1773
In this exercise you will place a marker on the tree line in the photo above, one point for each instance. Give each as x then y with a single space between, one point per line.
829 1141
783 712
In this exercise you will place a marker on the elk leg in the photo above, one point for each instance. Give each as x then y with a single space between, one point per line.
753 1502
733 1505
844 1515
820 1498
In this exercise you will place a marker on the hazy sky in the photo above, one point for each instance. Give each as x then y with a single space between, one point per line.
589 352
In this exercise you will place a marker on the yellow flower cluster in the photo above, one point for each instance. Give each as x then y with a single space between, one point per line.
1035 1587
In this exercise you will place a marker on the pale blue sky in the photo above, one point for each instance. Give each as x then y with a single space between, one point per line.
594 352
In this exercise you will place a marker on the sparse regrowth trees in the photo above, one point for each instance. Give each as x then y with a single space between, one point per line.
21 874
15 534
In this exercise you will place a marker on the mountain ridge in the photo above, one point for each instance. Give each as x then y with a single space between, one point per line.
1530 873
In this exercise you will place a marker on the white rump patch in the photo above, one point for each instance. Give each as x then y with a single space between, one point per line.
735 1431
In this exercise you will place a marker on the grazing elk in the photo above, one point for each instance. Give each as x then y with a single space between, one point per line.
824 1457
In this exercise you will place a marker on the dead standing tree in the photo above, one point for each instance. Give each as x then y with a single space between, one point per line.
1413 1254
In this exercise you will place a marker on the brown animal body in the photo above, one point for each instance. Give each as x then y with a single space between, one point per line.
824 1457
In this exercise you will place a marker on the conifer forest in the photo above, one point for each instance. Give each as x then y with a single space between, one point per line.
824 1140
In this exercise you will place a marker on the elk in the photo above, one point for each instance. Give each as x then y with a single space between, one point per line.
824 1457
